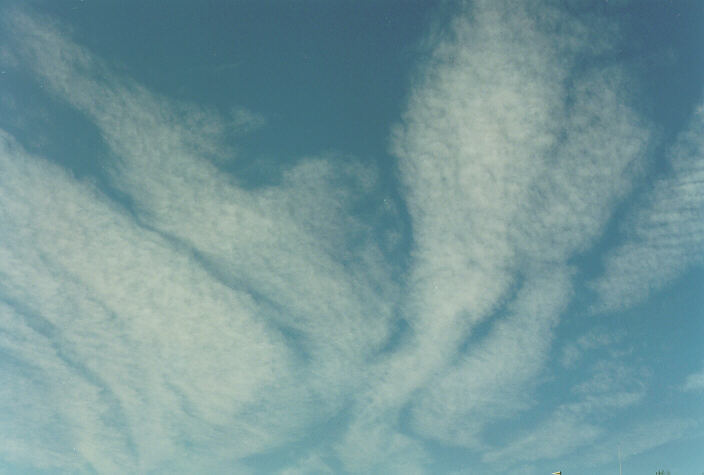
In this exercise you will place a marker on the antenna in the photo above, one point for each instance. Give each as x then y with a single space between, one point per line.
619 460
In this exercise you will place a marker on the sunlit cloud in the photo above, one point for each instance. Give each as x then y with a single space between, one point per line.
171 318
633 440
694 382
214 316
511 163
666 233
594 339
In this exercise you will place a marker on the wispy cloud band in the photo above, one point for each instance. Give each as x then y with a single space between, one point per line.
217 317
511 162
665 232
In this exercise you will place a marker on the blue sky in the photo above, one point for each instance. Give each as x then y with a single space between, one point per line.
351 237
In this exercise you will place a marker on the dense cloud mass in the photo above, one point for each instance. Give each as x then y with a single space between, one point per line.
196 323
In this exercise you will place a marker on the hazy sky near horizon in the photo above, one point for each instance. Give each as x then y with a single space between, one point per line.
351 237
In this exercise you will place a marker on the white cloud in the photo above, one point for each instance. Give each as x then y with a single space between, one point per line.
594 338
511 161
312 464
666 232
694 381
562 433
221 321
610 375
503 172
227 319
571 436
159 331
54 429
578 424
246 120
633 440
493 380
290 244
375 446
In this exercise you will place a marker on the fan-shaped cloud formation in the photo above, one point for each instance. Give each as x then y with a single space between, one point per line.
208 311
172 319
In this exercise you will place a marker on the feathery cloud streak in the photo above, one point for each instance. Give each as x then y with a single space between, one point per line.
511 161
695 381
215 321
175 350
666 232
214 312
